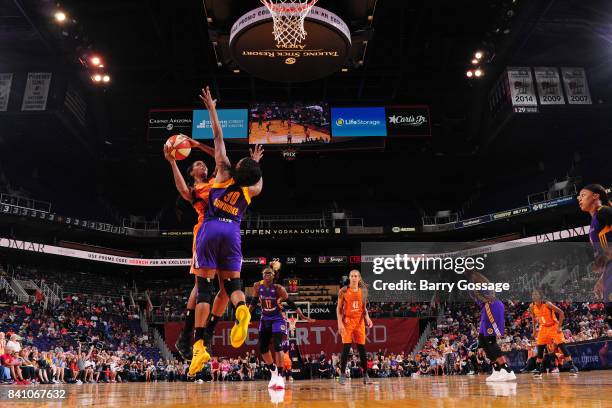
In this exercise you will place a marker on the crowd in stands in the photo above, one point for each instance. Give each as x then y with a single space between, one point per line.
93 338
451 346
82 338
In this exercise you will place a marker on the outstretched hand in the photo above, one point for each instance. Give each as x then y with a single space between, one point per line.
167 154
207 99
257 153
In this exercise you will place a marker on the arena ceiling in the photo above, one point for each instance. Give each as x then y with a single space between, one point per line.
159 53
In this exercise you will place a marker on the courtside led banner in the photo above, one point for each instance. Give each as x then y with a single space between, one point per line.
40 248
234 123
355 122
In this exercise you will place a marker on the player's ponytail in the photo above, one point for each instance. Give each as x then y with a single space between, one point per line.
362 285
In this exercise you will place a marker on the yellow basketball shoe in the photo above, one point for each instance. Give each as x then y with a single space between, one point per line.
241 328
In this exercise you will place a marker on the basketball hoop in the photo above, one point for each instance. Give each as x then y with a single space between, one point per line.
292 322
288 17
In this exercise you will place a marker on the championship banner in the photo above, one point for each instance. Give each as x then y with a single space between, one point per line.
522 90
576 86
395 335
5 90
164 123
549 86
36 91
408 121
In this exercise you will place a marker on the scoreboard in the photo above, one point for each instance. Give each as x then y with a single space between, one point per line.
304 260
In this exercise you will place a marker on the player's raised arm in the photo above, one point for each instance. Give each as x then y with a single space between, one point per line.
202 147
179 181
221 160
257 155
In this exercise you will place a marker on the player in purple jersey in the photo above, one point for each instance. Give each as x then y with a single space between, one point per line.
218 249
594 200
492 325
273 323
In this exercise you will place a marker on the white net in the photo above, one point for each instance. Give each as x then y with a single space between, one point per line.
292 321
288 17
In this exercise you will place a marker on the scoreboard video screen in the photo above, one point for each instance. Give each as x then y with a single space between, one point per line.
288 124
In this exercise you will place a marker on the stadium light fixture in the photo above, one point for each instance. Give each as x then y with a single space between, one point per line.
60 16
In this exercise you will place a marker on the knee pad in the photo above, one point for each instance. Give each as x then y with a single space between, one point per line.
205 290
278 341
231 285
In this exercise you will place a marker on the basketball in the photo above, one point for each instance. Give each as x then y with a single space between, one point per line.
179 146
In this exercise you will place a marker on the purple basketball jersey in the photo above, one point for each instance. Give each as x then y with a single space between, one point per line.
227 200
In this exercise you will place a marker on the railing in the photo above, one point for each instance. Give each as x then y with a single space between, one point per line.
49 295
320 220
144 325
421 342
57 289
25 202
149 303
567 191
22 295
162 346
4 284
429 220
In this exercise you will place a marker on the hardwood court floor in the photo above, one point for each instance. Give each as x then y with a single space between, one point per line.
589 389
